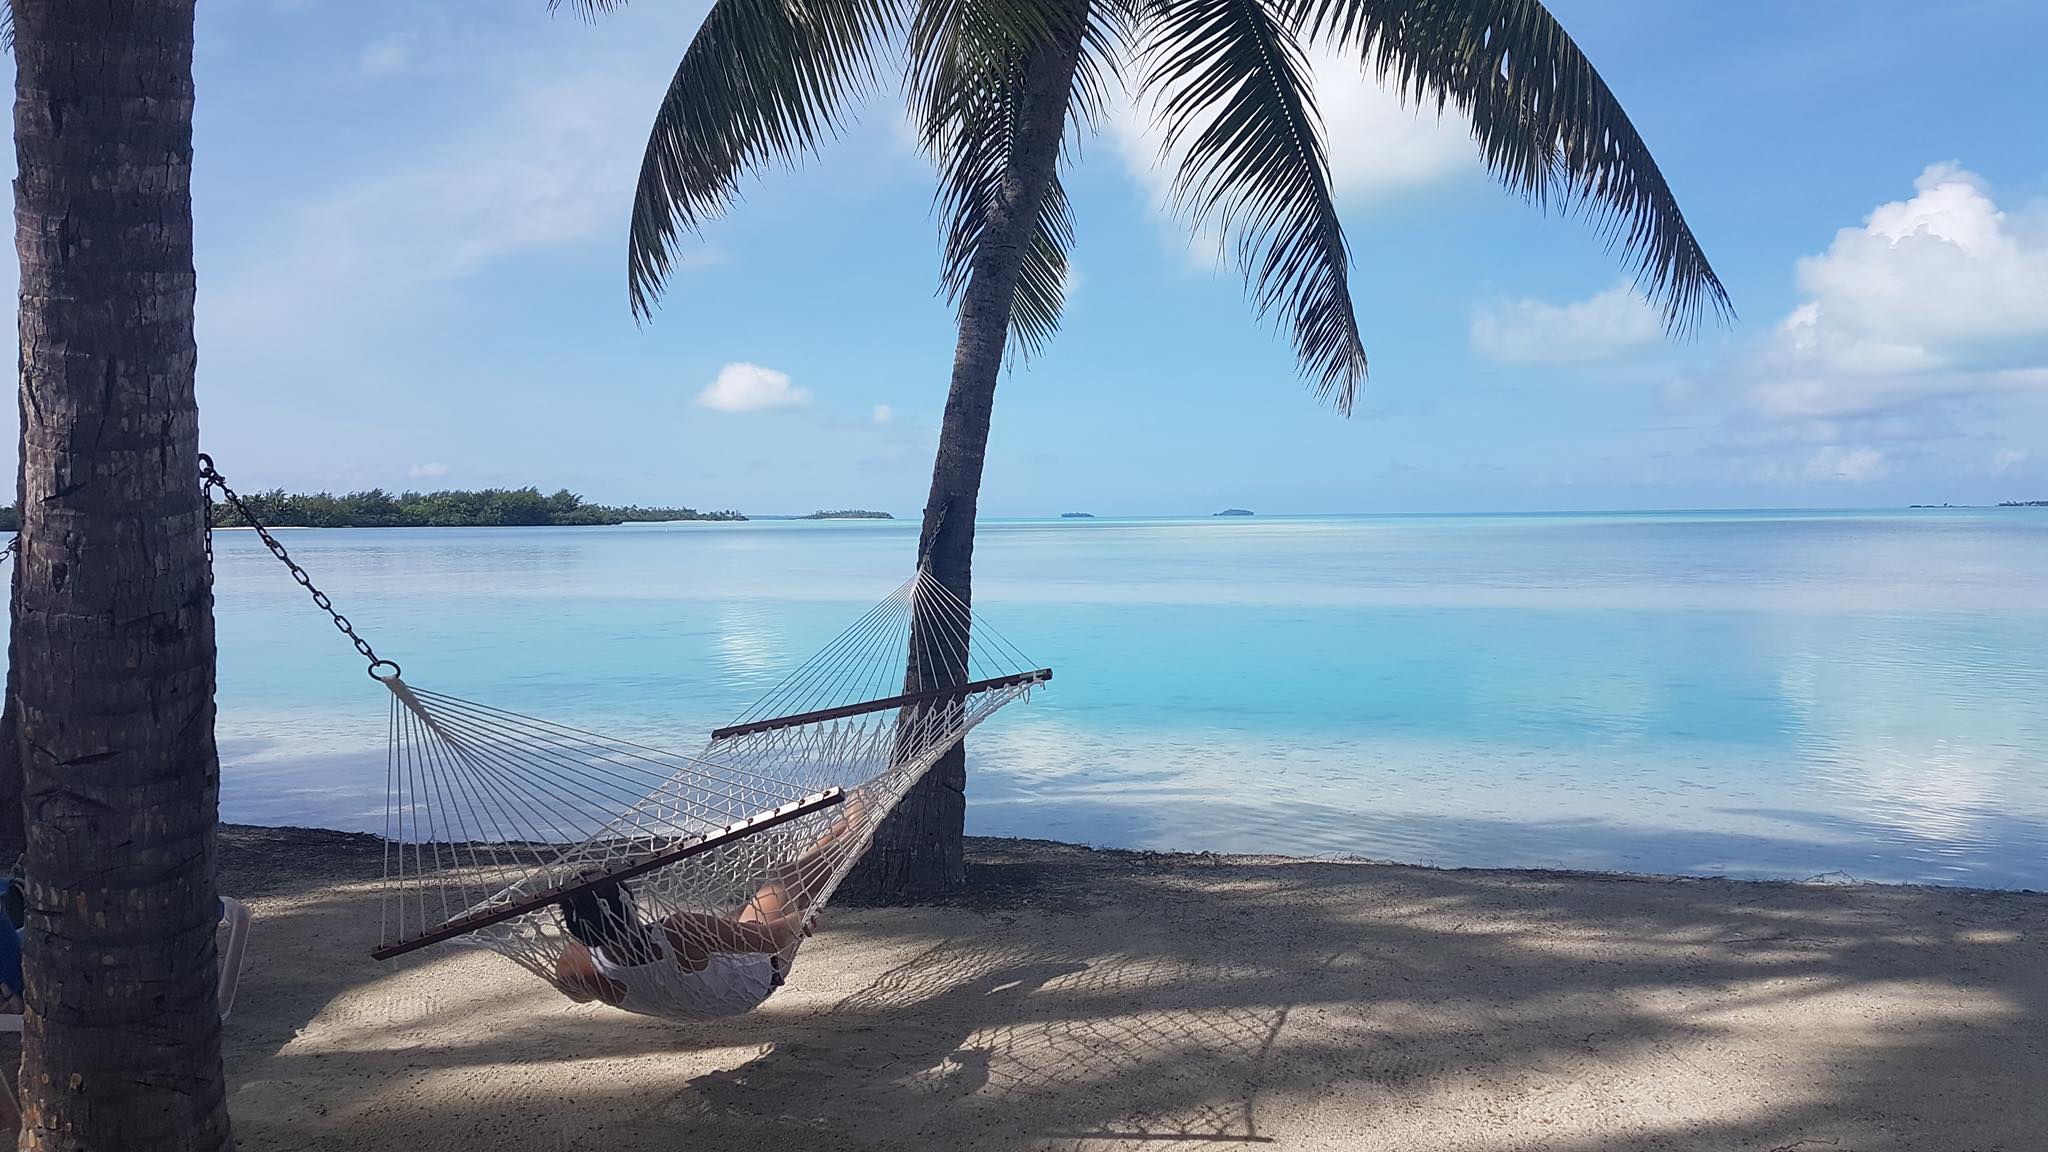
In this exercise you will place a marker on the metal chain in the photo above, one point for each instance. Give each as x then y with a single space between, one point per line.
210 479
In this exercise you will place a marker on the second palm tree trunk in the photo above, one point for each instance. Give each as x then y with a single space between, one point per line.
919 849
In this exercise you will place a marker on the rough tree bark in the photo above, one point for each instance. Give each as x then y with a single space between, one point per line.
918 850
114 623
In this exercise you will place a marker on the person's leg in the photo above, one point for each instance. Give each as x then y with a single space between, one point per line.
577 976
771 918
796 885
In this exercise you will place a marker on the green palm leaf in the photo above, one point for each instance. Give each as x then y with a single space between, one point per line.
762 81
1546 123
1235 78
969 90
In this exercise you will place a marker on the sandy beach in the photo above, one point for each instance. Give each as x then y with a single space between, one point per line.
1077 999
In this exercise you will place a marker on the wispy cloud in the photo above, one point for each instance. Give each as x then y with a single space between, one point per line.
388 55
538 153
1854 465
427 471
884 414
744 387
1530 330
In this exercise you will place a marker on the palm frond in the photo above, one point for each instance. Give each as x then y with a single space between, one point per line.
1232 75
762 81
1546 123
970 90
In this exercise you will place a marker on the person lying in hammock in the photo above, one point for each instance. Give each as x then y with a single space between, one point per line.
696 964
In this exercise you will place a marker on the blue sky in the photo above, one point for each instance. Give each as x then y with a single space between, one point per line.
411 240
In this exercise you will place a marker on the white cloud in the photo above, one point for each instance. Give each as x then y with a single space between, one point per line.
1529 330
744 387
2007 460
1855 465
884 414
387 55
1936 297
1376 146
427 471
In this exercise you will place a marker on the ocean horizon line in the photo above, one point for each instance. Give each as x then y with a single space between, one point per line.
912 518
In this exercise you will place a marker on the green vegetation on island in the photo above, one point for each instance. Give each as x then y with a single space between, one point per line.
490 507
1234 512
2023 503
847 514
1077 515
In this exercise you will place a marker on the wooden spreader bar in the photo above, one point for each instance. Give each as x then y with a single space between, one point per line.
484 918
957 691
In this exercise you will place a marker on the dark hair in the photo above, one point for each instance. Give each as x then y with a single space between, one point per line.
602 916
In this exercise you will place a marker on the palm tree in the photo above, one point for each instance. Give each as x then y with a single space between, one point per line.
114 616
997 86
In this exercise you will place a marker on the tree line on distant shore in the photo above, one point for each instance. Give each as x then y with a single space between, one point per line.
489 507
376 508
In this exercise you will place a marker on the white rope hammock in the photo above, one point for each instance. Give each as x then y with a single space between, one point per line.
498 823
671 885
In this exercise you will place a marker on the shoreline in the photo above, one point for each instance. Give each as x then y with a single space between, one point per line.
342 841
1086 999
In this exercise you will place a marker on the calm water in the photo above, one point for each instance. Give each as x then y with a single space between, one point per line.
1752 694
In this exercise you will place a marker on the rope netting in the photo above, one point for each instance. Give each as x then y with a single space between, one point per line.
533 839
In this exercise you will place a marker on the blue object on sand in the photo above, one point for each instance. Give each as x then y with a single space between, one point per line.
10 960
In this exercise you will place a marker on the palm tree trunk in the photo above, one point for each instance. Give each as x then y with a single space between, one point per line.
114 618
918 850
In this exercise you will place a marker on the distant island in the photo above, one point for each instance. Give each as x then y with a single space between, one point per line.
489 507
2023 503
847 514
1235 512
1077 515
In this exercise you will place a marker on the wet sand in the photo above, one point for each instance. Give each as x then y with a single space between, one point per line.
1075 999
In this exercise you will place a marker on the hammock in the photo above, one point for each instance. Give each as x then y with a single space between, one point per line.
533 839
483 801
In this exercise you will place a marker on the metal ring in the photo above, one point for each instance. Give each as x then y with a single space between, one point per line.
206 465
385 679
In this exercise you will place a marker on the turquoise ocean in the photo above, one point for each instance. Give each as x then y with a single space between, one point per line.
1757 694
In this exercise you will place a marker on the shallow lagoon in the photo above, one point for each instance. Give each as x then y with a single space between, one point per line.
1753 694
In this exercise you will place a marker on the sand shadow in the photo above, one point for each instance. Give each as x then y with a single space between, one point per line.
1097 1000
